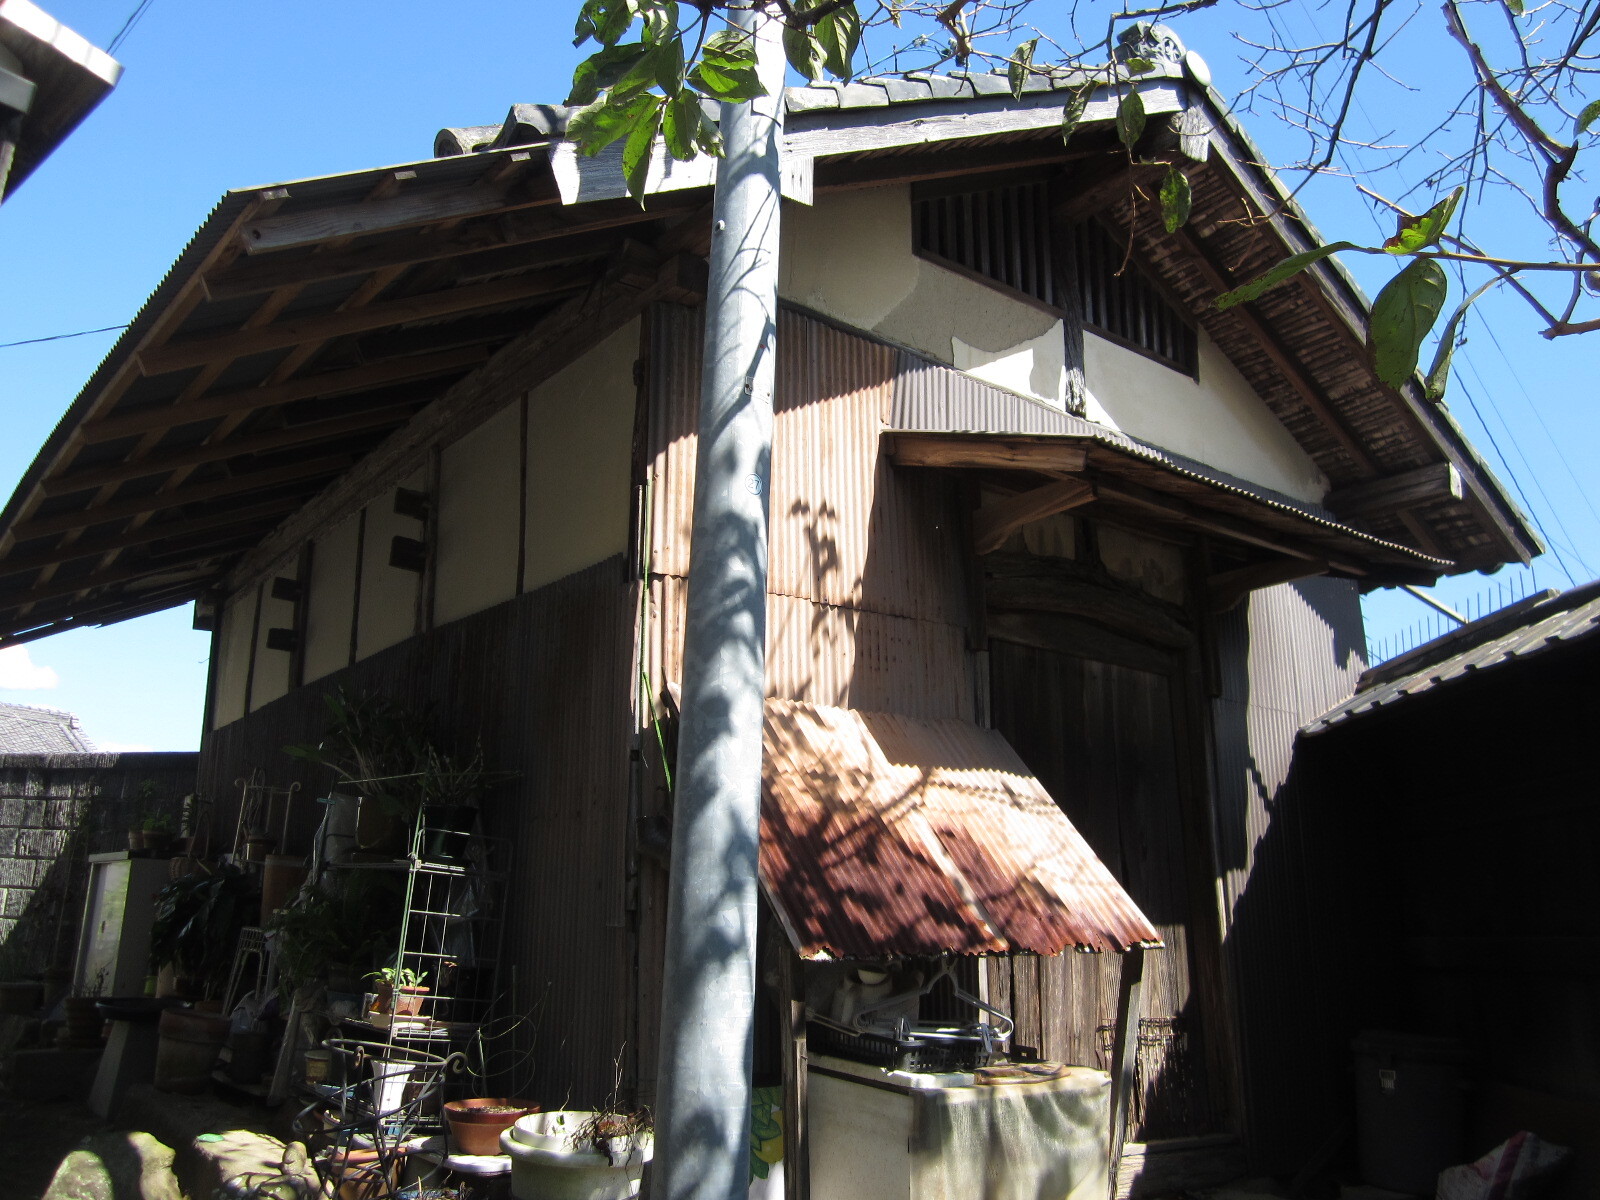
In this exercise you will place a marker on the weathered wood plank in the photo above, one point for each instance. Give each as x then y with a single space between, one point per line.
1125 1050
994 523
1226 589
1436 481
327 384
197 351
1067 455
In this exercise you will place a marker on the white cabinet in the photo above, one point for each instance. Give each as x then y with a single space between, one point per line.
117 915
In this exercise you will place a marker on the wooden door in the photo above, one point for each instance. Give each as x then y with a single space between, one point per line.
1104 740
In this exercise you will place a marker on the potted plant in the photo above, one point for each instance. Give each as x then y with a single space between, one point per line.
159 835
476 1125
399 989
599 1155
81 1008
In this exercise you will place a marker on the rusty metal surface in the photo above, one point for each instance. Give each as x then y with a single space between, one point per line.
1501 637
884 834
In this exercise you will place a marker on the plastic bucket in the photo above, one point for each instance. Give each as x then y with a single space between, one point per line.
1410 1108
281 877
546 1166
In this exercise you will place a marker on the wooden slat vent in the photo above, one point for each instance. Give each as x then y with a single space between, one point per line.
1121 301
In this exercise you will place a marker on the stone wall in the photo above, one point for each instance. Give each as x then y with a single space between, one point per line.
56 810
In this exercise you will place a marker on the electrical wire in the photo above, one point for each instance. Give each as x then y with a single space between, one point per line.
127 26
57 337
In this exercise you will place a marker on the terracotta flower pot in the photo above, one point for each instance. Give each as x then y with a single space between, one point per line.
475 1125
408 1001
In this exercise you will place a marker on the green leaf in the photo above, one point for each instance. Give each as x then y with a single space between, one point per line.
1130 119
1402 314
1139 66
1589 115
803 53
597 126
727 69
1072 114
617 17
1439 372
661 22
1287 269
1418 233
1176 200
636 150
839 34
680 122
1021 62
602 70
588 23
1515 6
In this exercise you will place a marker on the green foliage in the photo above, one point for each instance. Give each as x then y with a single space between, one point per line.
1419 233
1439 373
1019 66
197 923
1402 314
1287 269
399 977
1176 200
1586 118
1072 114
1130 119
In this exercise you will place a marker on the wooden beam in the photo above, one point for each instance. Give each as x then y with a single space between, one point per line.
1291 371
1101 191
1024 583
1436 481
251 275
139 505
994 523
1125 1053
57 588
281 439
630 285
323 386
198 351
987 450
21 564
1218 523
1225 590
420 206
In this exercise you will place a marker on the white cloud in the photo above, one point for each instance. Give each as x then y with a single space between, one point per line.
122 748
18 671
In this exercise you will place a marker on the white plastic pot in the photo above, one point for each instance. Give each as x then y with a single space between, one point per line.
546 1166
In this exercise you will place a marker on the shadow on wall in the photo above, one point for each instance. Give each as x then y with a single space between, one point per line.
55 811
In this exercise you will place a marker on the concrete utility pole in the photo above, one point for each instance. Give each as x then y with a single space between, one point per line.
708 994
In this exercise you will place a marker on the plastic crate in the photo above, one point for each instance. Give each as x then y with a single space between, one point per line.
898 1054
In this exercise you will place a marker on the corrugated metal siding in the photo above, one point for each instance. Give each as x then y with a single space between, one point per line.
884 834
1293 651
544 680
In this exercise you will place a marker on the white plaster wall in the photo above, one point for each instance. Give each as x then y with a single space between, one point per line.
850 258
271 678
233 658
388 594
478 518
1217 418
331 599
580 455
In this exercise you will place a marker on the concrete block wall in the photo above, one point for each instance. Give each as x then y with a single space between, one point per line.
56 810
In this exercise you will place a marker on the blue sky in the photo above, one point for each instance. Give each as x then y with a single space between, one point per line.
224 96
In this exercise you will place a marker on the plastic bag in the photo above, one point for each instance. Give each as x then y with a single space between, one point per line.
1516 1169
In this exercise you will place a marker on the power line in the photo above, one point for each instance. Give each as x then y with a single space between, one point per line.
127 26
56 337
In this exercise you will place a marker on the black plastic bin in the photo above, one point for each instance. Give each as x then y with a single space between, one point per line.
1410 1108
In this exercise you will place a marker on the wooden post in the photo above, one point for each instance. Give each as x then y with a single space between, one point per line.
1125 1054
796 1147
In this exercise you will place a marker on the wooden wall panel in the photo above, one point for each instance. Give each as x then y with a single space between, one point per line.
543 679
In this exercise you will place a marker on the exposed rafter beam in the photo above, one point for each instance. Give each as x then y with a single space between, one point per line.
137 506
325 385
198 351
56 588
1436 481
987 451
280 439
994 523
21 564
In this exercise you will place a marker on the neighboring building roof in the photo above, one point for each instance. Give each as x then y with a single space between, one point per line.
70 77
884 836
1539 625
308 324
28 730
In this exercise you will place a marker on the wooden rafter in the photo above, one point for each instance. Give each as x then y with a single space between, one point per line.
994 523
1436 481
938 450
1227 588
198 351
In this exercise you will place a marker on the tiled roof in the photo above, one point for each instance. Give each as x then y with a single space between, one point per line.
1542 623
28 730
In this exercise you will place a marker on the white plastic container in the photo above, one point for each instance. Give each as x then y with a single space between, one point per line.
545 1165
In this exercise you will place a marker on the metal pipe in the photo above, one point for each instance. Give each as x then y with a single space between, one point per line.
708 989
1433 603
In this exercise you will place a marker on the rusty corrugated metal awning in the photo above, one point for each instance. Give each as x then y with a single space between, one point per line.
884 835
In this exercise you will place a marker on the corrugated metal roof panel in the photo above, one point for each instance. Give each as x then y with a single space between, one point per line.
886 835
1484 644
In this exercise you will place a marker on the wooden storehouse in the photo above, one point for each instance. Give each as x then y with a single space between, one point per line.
430 432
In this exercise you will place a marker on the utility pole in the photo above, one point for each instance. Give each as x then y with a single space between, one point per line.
708 993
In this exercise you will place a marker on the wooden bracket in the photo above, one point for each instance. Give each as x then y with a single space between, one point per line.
994 523
408 502
1436 481
1226 589
285 588
408 554
283 639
